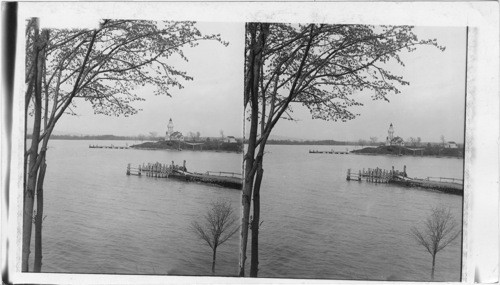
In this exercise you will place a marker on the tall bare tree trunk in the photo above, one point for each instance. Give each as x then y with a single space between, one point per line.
39 217
249 156
42 169
213 260
433 264
254 264
254 64
29 193
246 196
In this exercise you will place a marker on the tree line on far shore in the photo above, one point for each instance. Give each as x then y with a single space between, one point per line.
154 137
124 138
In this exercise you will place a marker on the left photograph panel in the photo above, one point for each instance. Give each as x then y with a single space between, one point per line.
133 148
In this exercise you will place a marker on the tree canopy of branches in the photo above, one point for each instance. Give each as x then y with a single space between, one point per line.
102 66
443 140
219 225
439 230
153 135
413 141
320 67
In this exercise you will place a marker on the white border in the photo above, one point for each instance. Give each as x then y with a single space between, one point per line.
481 249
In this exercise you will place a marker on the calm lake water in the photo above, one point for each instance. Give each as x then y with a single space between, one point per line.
315 223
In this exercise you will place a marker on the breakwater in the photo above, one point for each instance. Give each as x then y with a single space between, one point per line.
329 151
378 175
173 171
108 146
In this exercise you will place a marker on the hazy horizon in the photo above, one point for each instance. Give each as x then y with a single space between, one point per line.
271 137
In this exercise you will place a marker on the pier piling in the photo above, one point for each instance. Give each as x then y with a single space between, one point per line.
159 170
378 175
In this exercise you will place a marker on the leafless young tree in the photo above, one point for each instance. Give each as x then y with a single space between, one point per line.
439 230
443 140
153 135
191 136
220 224
413 141
361 142
373 140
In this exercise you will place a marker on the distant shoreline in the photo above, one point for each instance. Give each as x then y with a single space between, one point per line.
269 142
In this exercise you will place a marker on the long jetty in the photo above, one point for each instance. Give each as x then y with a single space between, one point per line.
159 170
378 175
108 146
329 151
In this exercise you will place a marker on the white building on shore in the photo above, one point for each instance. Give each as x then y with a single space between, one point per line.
391 139
172 135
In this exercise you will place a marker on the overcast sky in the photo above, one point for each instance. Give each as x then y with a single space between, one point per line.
208 104
431 106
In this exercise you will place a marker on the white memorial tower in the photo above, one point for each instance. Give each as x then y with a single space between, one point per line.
390 135
170 129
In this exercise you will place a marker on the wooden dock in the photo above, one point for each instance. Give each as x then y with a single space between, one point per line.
108 146
378 175
329 151
159 170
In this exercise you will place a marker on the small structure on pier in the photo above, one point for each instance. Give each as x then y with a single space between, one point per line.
378 175
416 151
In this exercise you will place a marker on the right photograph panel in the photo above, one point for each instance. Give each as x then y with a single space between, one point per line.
354 152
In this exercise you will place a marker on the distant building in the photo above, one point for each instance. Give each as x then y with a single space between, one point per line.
391 139
398 141
451 145
230 139
176 136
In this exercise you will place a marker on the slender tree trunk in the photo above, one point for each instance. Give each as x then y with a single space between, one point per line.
29 193
254 265
254 63
39 217
245 199
213 260
433 264
28 207
249 156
